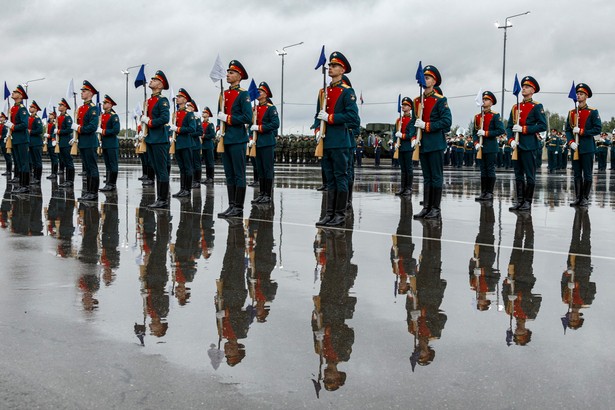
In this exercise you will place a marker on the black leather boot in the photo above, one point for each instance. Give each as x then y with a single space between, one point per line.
339 217
483 189
520 187
436 198
330 209
528 198
240 196
426 202
402 185
409 182
587 187
182 182
230 189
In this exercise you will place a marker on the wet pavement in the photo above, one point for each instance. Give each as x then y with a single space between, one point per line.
118 306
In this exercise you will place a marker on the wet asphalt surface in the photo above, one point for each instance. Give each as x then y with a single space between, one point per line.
112 305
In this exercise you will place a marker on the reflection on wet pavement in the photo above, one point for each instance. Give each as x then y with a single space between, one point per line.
279 308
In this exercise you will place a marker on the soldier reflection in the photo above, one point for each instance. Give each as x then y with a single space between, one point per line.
577 290
20 220
6 207
333 338
155 230
185 251
483 277
208 232
402 261
110 239
426 291
262 261
36 215
62 210
89 280
232 318
521 303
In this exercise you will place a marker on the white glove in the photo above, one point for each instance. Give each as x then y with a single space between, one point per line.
480 133
46 135
54 143
517 128
513 144
576 130
398 134
72 141
250 143
419 123
173 127
171 140
318 136
57 131
574 145
218 133
478 146
74 127
413 143
322 115
145 119
254 128
222 117
140 136
99 130
8 124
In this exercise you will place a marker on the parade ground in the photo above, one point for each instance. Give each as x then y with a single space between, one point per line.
110 305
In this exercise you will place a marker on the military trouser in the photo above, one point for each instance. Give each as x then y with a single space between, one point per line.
583 168
20 155
157 155
335 167
525 167
264 162
183 156
110 156
88 161
431 164
234 161
36 157
487 165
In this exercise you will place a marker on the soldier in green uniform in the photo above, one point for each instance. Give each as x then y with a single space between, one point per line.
209 135
582 125
507 151
468 152
602 148
353 132
278 149
612 143
20 137
156 119
435 122
64 136
531 120
236 114
266 128
35 127
553 149
7 155
339 112
108 130
405 148
51 142
197 146
182 130
565 152
487 127
86 125
459 150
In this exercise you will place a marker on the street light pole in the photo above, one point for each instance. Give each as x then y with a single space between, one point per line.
31 81
506 26
282 54
126 72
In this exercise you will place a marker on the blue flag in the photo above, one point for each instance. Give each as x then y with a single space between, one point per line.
420 75
322 60
516 87
141 80
98 103
399 103
44 116
7 93
253 91
573 93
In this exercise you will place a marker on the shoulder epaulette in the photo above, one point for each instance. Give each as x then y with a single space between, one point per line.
438 95
240 89
344 85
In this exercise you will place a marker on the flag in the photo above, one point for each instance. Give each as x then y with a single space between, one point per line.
516 87
137 111
420 75
217 71
44 116
573 93
399 103
70 92
7 93
141 80
361 98
253 91
479 98
5 108
322 60
98 103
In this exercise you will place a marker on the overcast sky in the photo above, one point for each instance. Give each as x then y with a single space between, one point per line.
559 42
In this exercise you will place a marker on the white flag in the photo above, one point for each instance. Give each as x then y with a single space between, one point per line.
137 111
70 92
479 98
5 108
217 71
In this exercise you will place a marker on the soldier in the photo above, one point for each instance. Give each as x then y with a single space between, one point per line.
507 152
611 140
459 150
86 125
197 146
63 133
487 127
51 143
278 149
582 125
7 155
553 149
468 152
286 149
564 155
209 134
353 130
483 277
526 121
435 122
156 119
405 145
236 114
266 128
541 145
18 127
35 127
183 128
377 151
602 148
340 111
108 130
